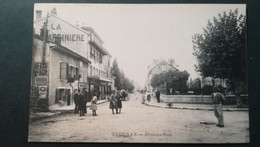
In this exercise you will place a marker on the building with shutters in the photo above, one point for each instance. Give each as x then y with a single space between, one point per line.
66 58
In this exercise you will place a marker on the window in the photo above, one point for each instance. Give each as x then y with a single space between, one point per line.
100 58
94 71
96 56
63 96
76 73
73 72
90 71
91 52
63 70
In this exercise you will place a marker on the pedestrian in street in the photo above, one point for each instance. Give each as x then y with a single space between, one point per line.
157 94
76 101
119 101
81 103
93 105
143 98
218 99
148 96
113 103
85 100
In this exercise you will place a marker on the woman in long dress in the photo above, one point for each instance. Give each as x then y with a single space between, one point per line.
93 105
119 101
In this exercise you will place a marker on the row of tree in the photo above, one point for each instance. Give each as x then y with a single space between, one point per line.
171 81
121 82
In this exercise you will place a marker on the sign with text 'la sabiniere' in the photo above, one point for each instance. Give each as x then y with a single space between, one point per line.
59 30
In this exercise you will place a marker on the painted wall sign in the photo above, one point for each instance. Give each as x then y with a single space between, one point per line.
68 37
60 30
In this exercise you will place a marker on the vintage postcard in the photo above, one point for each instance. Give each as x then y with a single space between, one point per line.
139 73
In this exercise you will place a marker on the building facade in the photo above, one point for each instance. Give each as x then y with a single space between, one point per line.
67 58
99 73
159 66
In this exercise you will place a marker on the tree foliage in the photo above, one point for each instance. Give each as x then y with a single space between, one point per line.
121 82
195 86
221 49
175 80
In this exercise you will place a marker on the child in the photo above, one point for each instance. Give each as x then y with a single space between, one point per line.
93 105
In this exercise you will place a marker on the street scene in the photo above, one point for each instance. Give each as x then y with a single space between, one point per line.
141 123
162 73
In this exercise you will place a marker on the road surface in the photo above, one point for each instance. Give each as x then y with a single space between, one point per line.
141 123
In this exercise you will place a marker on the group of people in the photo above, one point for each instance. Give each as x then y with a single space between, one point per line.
116 101
81 98
147 96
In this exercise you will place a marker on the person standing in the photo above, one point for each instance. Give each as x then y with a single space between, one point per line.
218 99
119 101
76 101
81 104
157 94
113 103
93 105
85 100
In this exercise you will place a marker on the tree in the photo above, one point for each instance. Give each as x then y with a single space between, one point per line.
116 73
175 80
196 86
121 82
221 49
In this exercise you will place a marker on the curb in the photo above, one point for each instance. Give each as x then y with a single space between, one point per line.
208 109
56 113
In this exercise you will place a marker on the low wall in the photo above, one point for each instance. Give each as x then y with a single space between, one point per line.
200 99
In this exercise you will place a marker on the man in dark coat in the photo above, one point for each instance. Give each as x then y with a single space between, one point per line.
157 94
81 104
84 103
76 101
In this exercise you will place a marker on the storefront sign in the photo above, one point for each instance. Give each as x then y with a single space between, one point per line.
83 85
41 80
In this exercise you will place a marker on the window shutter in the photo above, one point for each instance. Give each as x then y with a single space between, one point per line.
67 70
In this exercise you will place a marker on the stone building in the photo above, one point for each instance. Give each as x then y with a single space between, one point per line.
66 58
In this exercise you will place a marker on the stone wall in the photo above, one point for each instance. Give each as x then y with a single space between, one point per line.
200 99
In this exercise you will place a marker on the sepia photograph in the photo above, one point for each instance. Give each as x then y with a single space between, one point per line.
139 73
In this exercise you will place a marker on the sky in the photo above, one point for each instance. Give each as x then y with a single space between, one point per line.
136 34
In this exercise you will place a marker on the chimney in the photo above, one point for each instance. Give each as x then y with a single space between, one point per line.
172 62
38 14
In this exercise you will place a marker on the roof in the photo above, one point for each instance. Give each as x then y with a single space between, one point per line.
93 31
160 64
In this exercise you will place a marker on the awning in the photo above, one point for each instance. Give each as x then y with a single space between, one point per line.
97 78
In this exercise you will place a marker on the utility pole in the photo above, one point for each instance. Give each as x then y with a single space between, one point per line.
44 40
